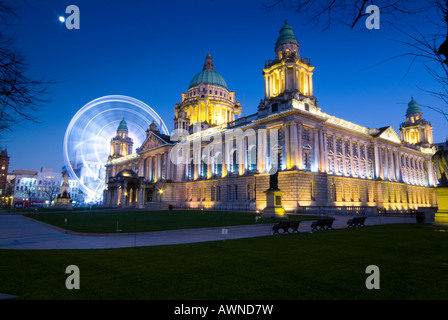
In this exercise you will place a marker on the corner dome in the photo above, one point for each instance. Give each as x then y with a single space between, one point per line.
208 75
286 35
413 107
123 126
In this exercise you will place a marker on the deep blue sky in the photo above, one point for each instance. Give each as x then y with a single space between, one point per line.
150 50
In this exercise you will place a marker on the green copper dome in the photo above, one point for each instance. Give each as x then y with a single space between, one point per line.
286 35
413 107
208 75
122 126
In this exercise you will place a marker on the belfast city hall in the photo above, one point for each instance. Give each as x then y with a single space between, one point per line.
217 159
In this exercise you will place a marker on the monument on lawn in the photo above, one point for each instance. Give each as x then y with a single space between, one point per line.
63 199
440 161
274 208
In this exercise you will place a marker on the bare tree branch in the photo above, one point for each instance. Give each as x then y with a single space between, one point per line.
346 12
20 96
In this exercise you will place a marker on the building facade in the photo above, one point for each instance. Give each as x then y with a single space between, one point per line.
219 160
4 164
39 188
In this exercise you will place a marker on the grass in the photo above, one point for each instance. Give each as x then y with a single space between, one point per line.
141 221
324 265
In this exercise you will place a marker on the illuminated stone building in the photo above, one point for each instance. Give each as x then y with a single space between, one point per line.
220 160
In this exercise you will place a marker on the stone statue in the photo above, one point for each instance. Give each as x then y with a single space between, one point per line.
440 161
273 181
273 178
66 177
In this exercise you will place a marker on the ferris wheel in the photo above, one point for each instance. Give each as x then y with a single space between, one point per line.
87 138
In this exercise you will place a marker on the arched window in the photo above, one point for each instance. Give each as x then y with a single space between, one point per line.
330 162
190 171
306 156
218 163
340 164
348 165
252 158
356 167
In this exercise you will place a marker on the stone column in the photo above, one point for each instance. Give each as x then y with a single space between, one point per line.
149 170
300 149
431 179
123 194
322 152
140 167
344 155
325 145
223 160
350 151
377 162
315 164
240 154
335 157
211 165
396 165
261 153
287 147
386 164
294 146
167 166
196 163
156 168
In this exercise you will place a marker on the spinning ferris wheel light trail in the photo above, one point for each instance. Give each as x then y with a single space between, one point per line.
88 135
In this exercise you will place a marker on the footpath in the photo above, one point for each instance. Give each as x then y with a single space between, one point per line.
17 232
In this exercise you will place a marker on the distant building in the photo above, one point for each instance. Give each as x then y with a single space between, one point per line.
39 188
4 164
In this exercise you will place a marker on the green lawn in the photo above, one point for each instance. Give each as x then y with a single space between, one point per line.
140 221
413 263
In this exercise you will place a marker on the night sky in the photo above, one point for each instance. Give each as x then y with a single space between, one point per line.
150 50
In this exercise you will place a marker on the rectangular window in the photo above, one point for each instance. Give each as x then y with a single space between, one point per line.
218 193
236 192
229 193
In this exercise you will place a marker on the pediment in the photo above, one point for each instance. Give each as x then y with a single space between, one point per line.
390 135
152 141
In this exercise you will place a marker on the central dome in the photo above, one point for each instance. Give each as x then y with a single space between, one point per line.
208 75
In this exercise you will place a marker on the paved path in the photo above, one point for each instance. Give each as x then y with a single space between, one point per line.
17 232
